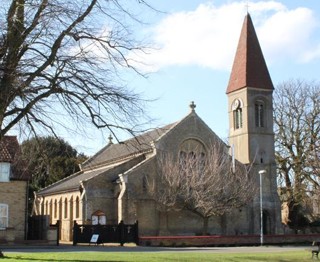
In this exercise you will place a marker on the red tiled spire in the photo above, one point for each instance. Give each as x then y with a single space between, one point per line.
249 67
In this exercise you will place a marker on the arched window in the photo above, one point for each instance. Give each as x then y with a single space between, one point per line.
237 113
77 207
182 158
50 211
237 118
98 218
192 157
46 212
71 209
65 208
55 208
60 209
144 184
259 113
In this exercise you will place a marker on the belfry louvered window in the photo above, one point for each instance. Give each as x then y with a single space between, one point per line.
237 117
237 113
259 113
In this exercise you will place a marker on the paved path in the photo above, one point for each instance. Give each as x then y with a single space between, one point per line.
112 248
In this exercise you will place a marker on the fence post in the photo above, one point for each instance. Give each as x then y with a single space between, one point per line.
121 233
136 232
75 232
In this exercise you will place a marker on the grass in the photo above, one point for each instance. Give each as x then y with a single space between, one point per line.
298 256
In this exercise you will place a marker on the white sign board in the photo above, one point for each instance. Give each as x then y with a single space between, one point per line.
94 238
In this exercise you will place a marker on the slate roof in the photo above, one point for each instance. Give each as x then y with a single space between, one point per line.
130 147
106 159
73 182
249 67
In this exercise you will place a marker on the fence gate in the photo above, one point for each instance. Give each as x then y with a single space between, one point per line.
37 227
119 233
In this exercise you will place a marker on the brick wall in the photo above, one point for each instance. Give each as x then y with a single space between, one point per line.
227 240
14 194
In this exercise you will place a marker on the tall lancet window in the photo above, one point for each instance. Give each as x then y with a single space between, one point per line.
237 113
259 113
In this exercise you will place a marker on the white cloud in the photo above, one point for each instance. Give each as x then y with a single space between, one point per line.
312 54
208 36
287 35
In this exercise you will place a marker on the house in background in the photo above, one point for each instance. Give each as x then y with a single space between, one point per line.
113 184
13 192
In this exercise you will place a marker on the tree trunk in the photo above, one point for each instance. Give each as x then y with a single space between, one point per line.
205 226
163 226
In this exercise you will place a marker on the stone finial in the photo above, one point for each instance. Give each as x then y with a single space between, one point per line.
110 139
192 106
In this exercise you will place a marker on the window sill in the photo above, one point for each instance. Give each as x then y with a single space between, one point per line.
6 228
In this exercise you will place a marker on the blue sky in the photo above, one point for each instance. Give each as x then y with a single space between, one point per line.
196 42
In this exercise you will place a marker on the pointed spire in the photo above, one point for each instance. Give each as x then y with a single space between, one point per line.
249 67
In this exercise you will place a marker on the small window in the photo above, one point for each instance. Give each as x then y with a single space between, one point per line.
191 161
46 212
237 118
4 172
259 113
202 162
237 113
182 158
65 208
51 211
77 207
55 208
98 218
3 216
144 184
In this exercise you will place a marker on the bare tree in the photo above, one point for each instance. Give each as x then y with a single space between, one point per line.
65 58
297 136
204 183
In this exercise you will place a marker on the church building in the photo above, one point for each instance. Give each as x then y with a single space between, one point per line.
112 186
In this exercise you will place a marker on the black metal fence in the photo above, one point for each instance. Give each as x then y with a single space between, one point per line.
97 234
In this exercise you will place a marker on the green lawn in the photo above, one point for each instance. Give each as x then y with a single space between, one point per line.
298 256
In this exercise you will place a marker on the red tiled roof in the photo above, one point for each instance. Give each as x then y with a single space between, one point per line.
9 146
10 152
249 67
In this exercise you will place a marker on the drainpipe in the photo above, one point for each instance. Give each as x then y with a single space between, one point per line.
26 212
83 195
233 159
123 189
41 210
37 209
34 205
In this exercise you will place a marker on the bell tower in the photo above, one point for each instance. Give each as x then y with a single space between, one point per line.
251 124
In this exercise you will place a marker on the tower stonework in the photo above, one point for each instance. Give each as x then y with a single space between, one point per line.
251 126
